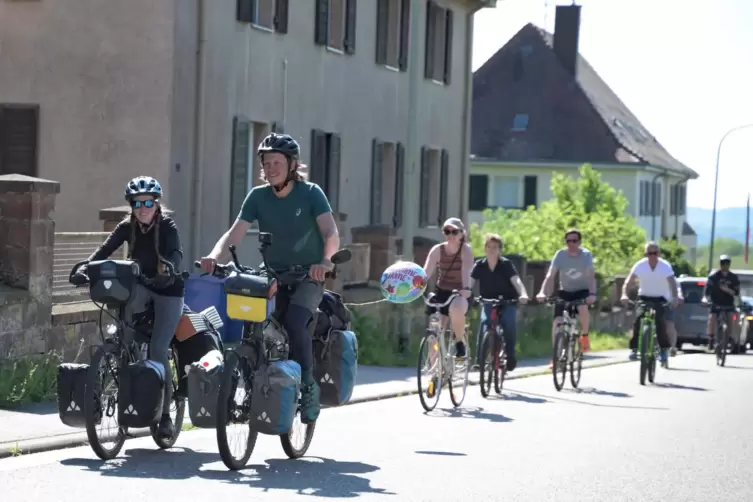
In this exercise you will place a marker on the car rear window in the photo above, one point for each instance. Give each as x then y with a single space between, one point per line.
692 291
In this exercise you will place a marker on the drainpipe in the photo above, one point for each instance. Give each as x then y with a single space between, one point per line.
198 131
653 216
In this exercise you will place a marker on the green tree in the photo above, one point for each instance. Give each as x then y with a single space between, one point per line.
586 203
674 253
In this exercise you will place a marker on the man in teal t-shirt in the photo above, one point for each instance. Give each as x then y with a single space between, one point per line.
299 217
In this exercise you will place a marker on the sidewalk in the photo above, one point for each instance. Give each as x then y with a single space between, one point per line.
37 427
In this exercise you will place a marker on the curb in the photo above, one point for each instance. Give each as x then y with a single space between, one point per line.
76 439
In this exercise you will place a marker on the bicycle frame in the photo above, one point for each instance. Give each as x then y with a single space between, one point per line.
648 319
441 333
568 326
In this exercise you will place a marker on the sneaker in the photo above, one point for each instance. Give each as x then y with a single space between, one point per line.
585 344
165 428
512 363
633 355
310 396
459 350
673 352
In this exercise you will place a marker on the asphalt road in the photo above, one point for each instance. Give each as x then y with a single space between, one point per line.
688 438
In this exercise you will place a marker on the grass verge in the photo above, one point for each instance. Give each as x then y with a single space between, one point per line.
30 379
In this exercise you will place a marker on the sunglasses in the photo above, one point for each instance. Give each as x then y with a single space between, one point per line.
451 231
652 253
572 241
142 203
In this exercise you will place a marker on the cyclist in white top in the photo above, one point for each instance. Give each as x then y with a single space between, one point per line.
657 286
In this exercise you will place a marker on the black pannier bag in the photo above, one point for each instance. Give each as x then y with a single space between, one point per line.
332 314
112 281
71 388
140 394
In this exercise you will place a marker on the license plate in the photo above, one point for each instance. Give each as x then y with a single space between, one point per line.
697 318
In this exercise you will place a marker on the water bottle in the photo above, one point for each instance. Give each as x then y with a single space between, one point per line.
144 352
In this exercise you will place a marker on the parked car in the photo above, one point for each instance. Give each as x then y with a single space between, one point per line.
691 316
746 323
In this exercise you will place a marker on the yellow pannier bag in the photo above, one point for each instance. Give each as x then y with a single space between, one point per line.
248 298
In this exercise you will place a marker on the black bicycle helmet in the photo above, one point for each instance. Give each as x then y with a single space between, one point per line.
143 185
281 143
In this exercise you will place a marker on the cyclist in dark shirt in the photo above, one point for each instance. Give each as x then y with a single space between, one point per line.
497 278
722 287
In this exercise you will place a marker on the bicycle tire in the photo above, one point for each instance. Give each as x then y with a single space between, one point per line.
287 440
430 338
228 386
652 361
92 405
558 366
500 365
645 333
486 369
721 358
180 410
465 366
576 365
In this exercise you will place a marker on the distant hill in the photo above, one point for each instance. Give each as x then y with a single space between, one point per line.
730 222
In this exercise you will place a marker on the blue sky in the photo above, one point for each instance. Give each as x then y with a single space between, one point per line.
684 67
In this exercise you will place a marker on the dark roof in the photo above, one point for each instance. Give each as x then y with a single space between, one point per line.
687 229
571 119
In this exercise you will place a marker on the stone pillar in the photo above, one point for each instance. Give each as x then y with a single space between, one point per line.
382 240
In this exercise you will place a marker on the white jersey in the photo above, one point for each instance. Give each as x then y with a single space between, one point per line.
653 282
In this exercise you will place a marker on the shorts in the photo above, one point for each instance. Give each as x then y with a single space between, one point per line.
569 296
441 296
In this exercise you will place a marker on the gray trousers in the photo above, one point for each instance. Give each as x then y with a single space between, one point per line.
167 313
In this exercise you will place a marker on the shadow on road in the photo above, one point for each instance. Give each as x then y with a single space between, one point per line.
688 369
678 386
315 476
442 453
514 396
473 412
597 392
597 405
739 367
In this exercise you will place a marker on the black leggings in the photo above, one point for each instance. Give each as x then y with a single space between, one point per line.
661 331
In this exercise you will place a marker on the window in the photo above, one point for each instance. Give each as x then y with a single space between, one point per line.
393 32
505 192
520 122
692 291
19 136
438 64
336 25
270 14
324 168
434 180
646 202
239 165
530 191
656 199
478 192
387 171
677 200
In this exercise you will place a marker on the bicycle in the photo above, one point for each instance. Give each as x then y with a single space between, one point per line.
434 346
494 351
722 332
567 350
117 352
256 349
648 344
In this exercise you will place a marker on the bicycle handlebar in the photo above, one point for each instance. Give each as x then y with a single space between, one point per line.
553 300
427 300
496 302
170 273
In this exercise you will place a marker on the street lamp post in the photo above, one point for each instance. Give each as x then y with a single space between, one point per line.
716 186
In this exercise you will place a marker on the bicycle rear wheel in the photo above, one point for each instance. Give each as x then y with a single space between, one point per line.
296 443
458 382
236 373
486 371
576 365
500 364
101 402
177 410
645 333
559 360
430 360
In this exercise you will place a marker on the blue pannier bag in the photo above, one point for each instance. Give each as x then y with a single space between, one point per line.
274 398
336 366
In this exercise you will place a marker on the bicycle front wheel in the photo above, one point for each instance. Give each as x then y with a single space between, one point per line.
645 334
235 378
458 381
430 364
652 361
721 348
500 365
101 402
576 364
177 409
296 443
486 371
559 360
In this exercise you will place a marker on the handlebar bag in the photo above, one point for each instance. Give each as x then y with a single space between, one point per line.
71 385
248 297
336 366
112 281
140 394
274 398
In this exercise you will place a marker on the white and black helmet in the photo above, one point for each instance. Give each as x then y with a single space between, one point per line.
143 185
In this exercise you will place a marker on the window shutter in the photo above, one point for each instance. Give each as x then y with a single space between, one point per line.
381 31
245 10
350 27
19 138
683 199
333 171
281 16
529 191
448 46
430 39
405 15
376 182
317 166
423 210
397 219
239 169
278 127
478 190
322 22
444 180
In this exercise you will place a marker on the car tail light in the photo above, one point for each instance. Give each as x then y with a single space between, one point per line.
750 317
700 284
734 317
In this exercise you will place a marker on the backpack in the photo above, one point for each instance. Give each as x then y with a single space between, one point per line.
71 388
274 397
140 394
336 366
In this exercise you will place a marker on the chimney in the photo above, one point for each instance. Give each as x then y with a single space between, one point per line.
566 31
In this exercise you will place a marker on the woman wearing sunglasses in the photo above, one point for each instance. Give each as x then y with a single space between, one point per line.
453 260
151 236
